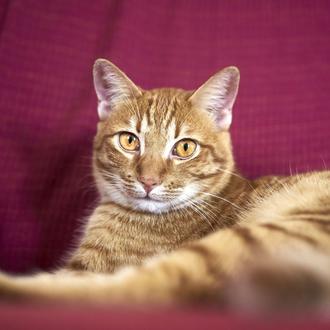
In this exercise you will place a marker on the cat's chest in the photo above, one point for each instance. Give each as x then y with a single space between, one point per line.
113 241
144 237
115 238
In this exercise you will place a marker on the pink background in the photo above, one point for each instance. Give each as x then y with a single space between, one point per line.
48 106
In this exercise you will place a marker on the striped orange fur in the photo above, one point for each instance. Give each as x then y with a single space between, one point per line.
172 228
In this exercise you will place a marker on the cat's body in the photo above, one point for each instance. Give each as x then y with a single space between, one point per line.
116 236
174 207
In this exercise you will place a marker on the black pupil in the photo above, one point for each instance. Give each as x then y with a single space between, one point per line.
130 139
186 146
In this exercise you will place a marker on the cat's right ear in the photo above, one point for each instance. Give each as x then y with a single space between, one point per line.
112 87
217 96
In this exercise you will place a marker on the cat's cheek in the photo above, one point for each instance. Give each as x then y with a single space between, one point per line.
189 192
136 193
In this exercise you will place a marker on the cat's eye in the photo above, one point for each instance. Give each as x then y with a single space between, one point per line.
184 148
129 141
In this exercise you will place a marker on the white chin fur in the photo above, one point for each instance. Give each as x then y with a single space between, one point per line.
152 205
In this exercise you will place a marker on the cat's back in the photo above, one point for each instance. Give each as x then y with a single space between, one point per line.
280 197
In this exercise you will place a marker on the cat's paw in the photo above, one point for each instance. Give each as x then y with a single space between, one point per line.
278 286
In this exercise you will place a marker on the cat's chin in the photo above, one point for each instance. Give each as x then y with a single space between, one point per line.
150 204
154 204
147 204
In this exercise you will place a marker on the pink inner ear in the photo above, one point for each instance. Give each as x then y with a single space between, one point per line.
100 83
103 110
112 86
218 95
224 119
231 92
102 89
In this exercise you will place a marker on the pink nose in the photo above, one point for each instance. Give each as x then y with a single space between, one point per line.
149 182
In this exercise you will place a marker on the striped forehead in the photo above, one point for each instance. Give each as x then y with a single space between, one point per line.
158 121
158 114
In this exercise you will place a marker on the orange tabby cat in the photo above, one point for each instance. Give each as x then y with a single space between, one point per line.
176 222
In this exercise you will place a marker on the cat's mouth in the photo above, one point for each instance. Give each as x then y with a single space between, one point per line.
159 202
150 202
146 198
155 201
152 197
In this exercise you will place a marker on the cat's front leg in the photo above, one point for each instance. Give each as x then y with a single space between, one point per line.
192 274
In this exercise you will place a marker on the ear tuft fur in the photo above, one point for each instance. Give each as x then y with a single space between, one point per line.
112 87
218 95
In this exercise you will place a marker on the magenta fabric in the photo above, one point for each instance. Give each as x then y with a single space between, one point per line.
48 106
87 318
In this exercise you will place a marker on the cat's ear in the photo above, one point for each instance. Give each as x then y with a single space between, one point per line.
218 95
112 87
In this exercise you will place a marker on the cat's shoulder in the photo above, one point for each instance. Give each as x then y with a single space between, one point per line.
275 182
276 197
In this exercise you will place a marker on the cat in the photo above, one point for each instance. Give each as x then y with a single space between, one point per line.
176 222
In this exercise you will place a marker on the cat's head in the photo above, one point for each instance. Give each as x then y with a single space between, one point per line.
162 149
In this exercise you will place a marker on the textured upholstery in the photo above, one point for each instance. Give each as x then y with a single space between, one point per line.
48 107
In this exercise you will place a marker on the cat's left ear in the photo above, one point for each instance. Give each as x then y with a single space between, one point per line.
112 87
217 96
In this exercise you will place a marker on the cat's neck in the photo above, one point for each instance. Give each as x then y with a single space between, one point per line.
215 210
124 236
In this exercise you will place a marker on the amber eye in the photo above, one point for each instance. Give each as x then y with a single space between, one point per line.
184 148
129 141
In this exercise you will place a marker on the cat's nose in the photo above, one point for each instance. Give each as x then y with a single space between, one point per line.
149 182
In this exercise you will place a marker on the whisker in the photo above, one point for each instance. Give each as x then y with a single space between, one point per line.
198 211
222 198
237 175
